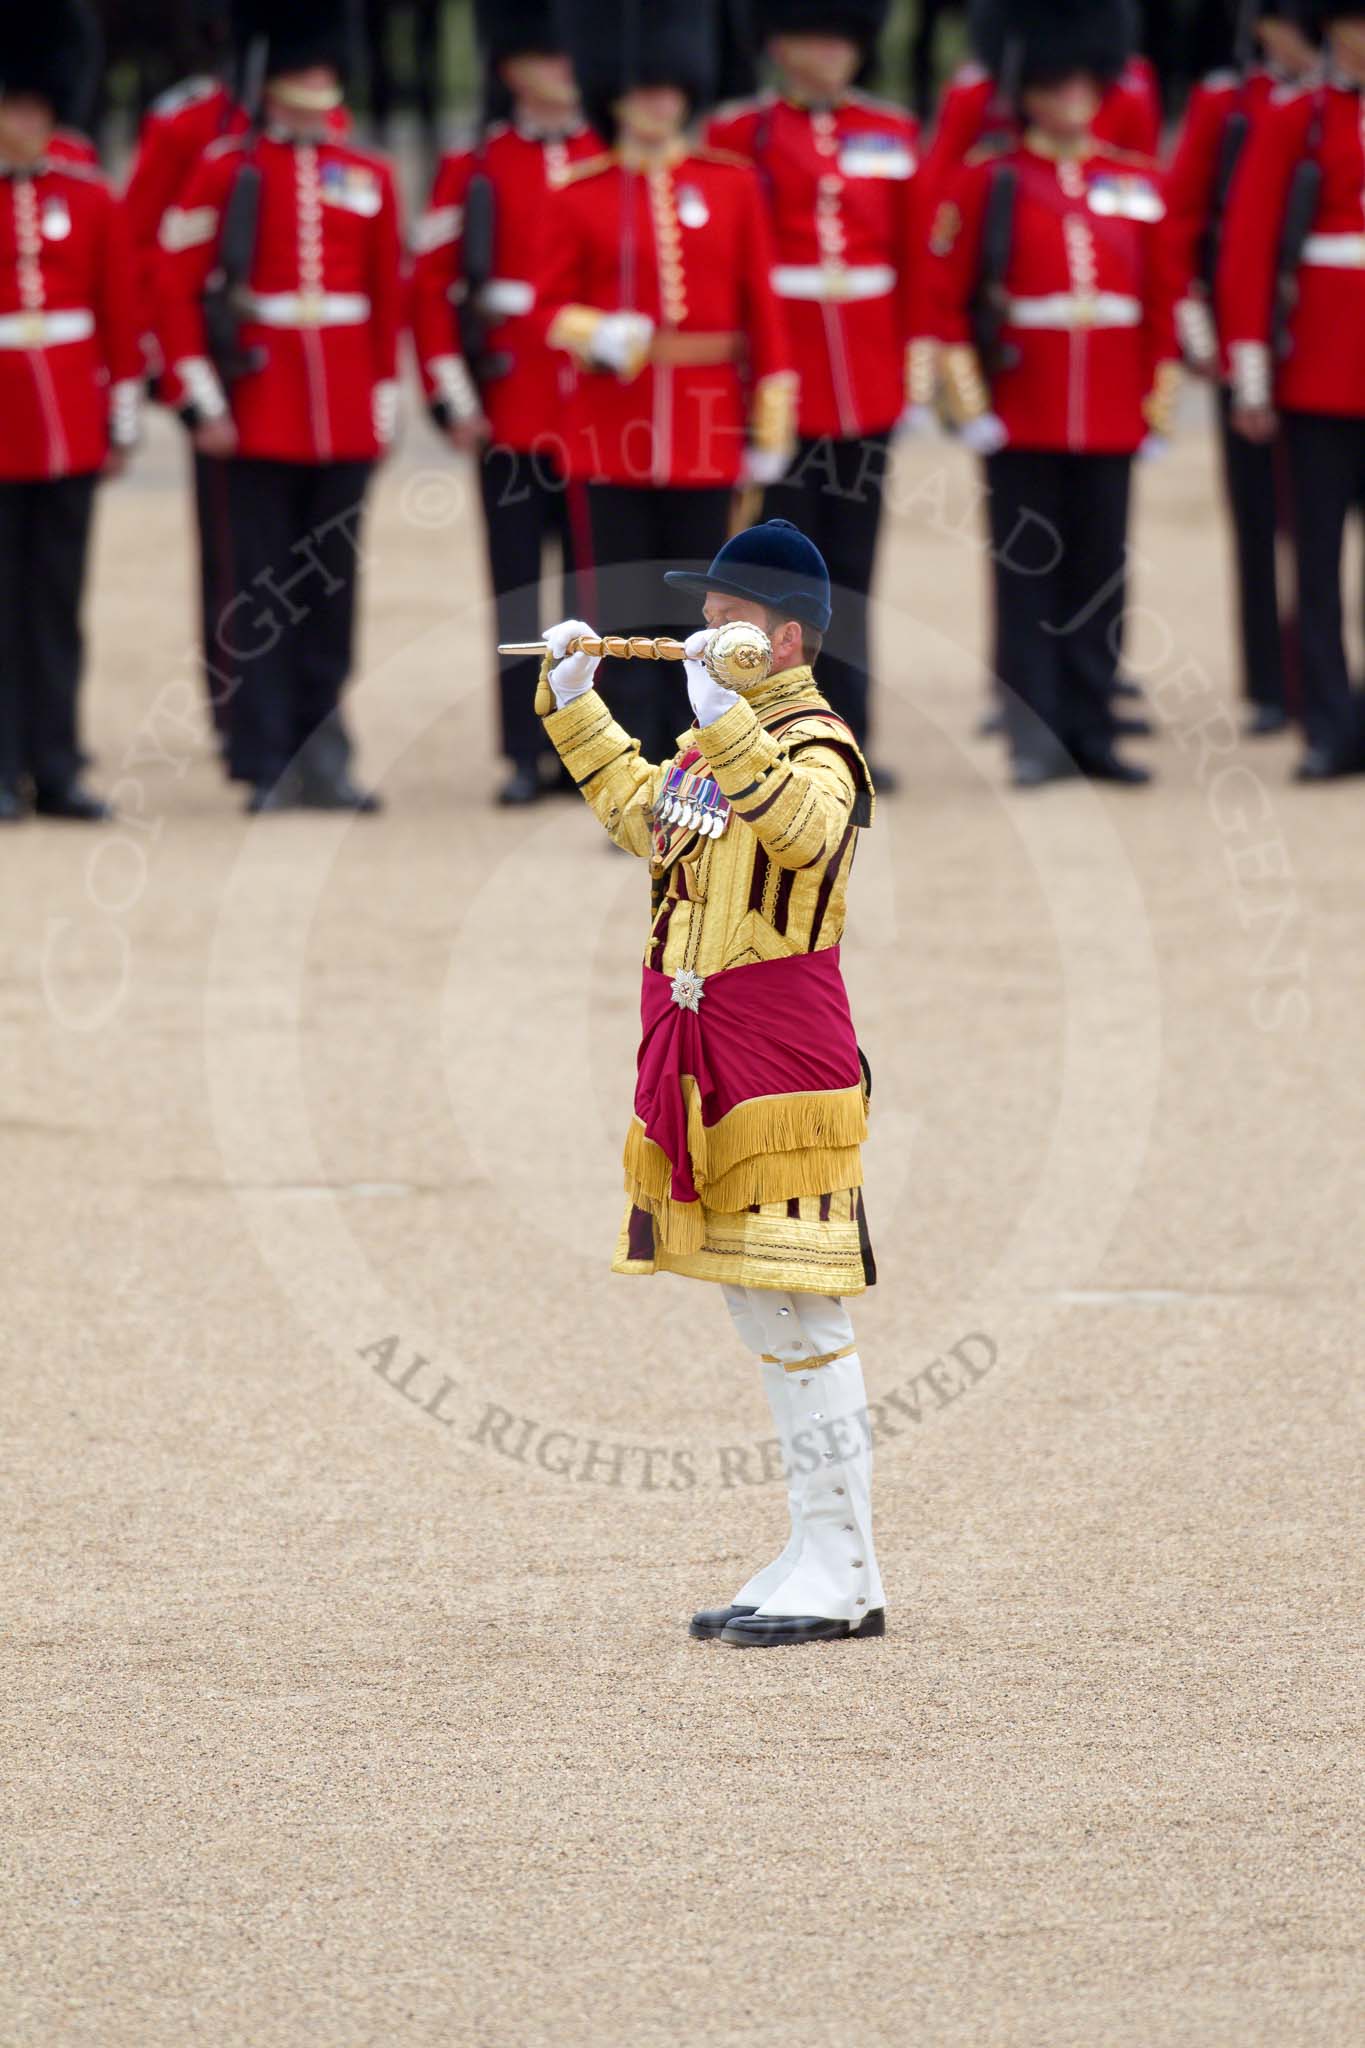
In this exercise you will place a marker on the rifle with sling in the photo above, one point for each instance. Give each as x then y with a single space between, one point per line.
237 242
1300 211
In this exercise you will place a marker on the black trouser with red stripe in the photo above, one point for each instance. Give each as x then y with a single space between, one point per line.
44 547
1250 478
527 503
286 637
1059 551
1327 462
637 533
833 492
212 514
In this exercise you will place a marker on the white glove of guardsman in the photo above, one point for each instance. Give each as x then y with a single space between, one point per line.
710 699
573 673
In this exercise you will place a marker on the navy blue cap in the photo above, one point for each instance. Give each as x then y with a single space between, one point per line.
774 565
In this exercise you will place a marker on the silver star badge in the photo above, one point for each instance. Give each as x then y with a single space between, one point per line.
687 989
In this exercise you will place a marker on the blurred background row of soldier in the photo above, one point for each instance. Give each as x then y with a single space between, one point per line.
643 313
420 59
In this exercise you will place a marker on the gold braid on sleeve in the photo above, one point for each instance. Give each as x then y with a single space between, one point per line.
965 396
921 370
772 425
573 328
1158 408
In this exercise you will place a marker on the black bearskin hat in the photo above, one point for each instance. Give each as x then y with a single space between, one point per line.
1033 42
517 28
298 33
617 44
860 20
55 53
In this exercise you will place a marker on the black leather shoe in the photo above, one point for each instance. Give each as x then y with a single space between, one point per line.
1263 720
75 801
1132 728
991 725
1322 764
13 809
774 1631
273 796
523 785
712 1620
1031 771
1123 688
338 793
884 780
1104 765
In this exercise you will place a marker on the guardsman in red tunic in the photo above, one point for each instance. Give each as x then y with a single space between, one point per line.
305 405
178 128
69 392
838 171
1059 391
1220 116
978 106
1291 314
658 284
478 254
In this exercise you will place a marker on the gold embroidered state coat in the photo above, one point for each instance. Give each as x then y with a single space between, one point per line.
780 1180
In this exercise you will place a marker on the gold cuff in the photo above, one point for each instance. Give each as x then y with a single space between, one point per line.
1158 408
921 371
573 328
965 396
772 425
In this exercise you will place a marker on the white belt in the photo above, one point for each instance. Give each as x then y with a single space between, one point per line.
504 296
1344 252
306 309
833 280
1068 310
45 330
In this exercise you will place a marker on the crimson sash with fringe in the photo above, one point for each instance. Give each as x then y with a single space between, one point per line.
755 1096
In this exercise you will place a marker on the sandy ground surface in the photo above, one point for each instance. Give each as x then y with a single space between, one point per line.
356 1512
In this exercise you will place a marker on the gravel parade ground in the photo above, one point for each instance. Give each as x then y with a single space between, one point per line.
357 1512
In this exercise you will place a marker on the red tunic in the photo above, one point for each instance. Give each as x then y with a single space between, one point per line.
1324 370
1089 290
69 359
690 247
177 130
324 298
525 402
840 185
1197 165
1129 118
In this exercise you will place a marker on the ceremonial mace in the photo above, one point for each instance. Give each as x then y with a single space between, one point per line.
738 656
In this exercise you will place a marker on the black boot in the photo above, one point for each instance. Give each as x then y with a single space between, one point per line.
1264 720
75 802
777 1631
338 793
711 1621
1102 764
522 785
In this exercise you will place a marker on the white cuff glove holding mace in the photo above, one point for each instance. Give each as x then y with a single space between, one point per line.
710 700
573 673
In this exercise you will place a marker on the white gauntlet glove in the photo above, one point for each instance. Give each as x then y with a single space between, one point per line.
765 465
573 673
985 435
710 699
621 341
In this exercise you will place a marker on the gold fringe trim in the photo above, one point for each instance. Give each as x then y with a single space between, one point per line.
767 1128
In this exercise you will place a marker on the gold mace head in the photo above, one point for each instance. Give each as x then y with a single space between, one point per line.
740 655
